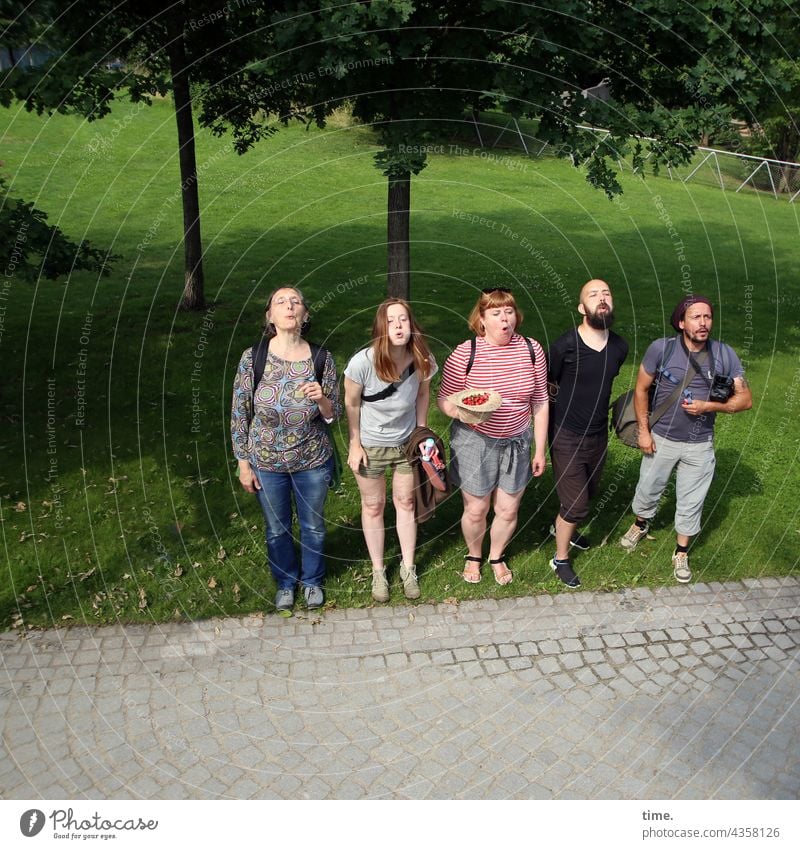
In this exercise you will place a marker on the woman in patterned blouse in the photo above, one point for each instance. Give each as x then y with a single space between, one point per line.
283 446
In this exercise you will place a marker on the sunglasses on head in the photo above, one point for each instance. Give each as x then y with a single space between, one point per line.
493 289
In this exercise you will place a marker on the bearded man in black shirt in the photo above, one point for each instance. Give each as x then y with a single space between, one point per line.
582 365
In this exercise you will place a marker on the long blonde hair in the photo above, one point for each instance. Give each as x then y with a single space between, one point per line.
417 346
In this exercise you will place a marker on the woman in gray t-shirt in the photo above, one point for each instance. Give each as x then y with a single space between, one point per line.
387 389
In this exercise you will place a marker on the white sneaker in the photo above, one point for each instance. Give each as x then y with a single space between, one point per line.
380 586
633 536
680 567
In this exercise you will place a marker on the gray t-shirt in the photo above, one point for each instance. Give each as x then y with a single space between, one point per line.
390 421
676 423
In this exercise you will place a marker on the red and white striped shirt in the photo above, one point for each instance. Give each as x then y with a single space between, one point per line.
508 370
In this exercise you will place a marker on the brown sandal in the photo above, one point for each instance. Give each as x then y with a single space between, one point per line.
472 574
504 578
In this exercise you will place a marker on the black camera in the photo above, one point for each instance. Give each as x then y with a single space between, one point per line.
721 388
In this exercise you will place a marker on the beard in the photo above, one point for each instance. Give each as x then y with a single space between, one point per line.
598 320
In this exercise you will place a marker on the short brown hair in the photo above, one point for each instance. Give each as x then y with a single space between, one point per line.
491 299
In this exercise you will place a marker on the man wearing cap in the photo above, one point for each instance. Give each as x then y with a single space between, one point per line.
582 365
704 377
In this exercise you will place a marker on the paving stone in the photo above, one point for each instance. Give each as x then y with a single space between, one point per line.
288 711
547 665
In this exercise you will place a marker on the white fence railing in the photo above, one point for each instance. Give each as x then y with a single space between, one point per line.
727 169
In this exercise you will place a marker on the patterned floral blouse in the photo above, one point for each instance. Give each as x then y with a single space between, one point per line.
286 433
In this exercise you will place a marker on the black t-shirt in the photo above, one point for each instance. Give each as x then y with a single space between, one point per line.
584 377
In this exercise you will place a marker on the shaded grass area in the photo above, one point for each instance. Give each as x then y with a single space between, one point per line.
118 494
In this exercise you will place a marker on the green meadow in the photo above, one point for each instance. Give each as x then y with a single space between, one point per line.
118 494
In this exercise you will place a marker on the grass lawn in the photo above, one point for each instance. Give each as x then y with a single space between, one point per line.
118 494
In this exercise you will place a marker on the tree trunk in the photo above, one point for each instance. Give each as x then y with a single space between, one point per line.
398 249
193 296
786 150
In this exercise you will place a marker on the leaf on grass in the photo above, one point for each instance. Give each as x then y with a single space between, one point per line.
126 577
66 617
142 598
212 582
236 593
222 554
31 588
20 507
178 571
650 537
84 575
23 536
196 565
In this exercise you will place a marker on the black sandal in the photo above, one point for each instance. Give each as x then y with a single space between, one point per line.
504 579
471 577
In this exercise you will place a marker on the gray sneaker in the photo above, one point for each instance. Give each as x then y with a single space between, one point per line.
284 599
314 597
380 586
633 536
408 575
680 567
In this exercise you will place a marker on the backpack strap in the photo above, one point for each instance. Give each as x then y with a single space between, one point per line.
666 356
318 357
474 344
391 388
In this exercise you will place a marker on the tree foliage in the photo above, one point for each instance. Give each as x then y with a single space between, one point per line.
196 52
411 68
31 248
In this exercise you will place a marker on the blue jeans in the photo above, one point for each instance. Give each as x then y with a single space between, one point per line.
275 499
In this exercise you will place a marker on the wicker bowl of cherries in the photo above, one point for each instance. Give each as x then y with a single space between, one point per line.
476 405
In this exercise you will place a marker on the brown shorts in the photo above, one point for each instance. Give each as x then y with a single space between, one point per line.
383 457
577 468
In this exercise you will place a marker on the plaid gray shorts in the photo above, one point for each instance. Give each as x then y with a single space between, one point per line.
480 464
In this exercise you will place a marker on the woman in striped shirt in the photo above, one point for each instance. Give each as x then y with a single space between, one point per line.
491 461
